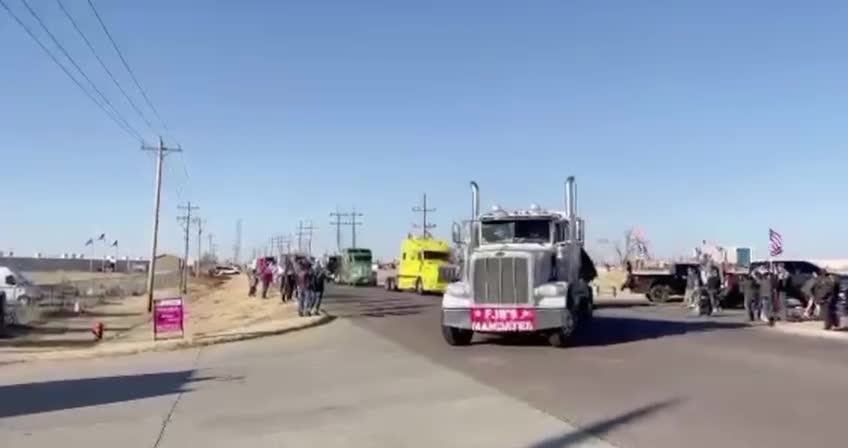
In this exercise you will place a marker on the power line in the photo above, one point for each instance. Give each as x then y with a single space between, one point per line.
103 64
79 69
67 72
129 70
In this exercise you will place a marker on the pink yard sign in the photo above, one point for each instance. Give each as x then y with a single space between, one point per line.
168 317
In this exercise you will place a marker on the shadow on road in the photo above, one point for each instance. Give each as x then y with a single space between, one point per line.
600 428
622 303
354 306
609 330
34 398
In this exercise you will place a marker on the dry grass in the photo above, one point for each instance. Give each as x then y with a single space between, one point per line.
613 278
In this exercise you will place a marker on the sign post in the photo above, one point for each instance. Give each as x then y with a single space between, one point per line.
168 318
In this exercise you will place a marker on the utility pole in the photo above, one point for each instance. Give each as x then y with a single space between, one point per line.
309 240
338 223
353 223
425 226
300 236
186 221
304 231
211 246
161 151
237 245
199 222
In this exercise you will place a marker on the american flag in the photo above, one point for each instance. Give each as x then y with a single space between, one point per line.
775 243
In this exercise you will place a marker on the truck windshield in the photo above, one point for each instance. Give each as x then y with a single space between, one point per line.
518 231
363 257
435 255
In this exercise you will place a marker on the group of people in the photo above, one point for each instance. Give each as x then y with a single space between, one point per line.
705 280
299 279
765 292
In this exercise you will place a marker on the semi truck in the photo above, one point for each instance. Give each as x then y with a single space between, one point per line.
524 271
355 267
425 266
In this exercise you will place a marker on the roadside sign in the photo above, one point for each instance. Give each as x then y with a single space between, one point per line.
168 318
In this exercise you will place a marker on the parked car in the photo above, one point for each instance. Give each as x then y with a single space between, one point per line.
223 271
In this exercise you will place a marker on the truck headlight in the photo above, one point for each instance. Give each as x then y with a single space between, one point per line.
549 290
459 289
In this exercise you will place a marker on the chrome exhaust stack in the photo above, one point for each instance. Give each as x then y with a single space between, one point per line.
475 213
571 207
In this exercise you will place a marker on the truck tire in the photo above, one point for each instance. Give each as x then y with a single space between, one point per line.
419 287
659 294
561 337
457 336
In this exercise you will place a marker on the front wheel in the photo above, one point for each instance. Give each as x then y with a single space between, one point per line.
457 336
561 337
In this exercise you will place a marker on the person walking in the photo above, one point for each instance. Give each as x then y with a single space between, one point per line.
319 278
782 289
826 293
267 278
749 294
691 286
765 282
304 303
253 278
711 281
807 294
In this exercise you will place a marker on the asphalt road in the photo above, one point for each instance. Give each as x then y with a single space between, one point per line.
644 376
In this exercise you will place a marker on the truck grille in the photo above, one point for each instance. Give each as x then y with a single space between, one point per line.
501 281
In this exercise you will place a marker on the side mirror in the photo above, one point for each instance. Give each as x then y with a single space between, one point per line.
10 280
456 233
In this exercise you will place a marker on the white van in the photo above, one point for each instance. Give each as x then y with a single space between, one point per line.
17 288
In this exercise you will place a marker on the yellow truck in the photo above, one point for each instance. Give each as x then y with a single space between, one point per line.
424 266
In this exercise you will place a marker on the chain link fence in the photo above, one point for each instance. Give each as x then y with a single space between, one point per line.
66 294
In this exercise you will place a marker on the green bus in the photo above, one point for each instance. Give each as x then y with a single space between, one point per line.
355 268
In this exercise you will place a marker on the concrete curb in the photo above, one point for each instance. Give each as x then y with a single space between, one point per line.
836 335
131 348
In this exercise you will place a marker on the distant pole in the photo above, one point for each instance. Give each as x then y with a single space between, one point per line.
304 231
425 226
237 246
338 223
199 222
186 220
300 236
353 223
161 150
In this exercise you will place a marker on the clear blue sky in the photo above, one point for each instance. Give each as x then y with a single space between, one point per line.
694 120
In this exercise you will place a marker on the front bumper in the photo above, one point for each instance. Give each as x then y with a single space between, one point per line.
546 318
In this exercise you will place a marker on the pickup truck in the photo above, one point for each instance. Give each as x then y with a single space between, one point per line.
659 286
